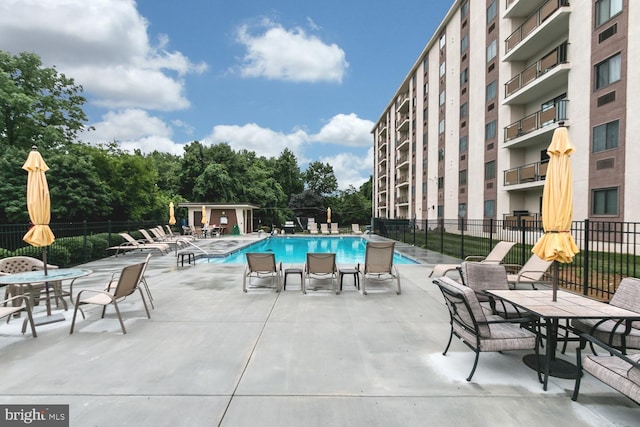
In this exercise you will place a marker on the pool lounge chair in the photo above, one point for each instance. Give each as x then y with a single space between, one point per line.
262 265
378 264
532 272
320 266
324 228
334 228
495 256
313 228
355 229
131 244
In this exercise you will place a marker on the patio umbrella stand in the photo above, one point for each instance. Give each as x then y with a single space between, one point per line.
556 244
39 207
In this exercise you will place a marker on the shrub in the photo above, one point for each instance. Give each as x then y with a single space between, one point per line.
76 248
99 245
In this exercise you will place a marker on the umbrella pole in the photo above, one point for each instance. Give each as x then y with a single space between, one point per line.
46 284
556 272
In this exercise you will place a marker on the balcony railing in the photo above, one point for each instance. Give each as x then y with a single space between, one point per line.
533 22
402 123
537 120
524 174
537 69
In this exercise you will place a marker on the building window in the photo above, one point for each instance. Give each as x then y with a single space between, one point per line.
606 9
426 88
440 182
605 201
425 114
490 130
491 90
464 9
490 170
492 50
608 71
489 208
605 137
443 41
462 210
440 211
424 139
443 69
462 177
464 110
464 142
441 154
464 77
425 64
464 44
442 97
424 188
491 11
441 126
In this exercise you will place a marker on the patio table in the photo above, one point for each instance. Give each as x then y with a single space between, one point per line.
568 306
53 275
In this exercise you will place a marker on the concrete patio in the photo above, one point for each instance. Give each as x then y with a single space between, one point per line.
213 355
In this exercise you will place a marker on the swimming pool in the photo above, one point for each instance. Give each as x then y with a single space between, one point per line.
293 250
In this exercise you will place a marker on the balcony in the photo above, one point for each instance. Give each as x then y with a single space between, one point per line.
532 173
536 121
382 145
403 102
403 142
545 26
402 180
519 8
402 162
383 131
543 76
402 123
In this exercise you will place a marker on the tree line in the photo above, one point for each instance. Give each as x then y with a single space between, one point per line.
96 182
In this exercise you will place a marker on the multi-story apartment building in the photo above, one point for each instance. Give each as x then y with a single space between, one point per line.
466 133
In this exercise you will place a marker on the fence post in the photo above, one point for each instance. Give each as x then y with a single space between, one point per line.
415 225
490 234
523 239
462 242
441 223
84 240
585 274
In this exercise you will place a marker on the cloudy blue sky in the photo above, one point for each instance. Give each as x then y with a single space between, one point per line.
260 75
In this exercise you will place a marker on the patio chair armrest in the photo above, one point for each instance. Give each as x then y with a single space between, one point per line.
475 258
24 298
545 277
614 352
511 320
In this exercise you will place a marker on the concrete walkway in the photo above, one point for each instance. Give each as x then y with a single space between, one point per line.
213 355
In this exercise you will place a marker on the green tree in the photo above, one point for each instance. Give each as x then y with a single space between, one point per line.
287 173
37 104
320 179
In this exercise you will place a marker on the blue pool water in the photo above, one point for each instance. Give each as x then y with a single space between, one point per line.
293 250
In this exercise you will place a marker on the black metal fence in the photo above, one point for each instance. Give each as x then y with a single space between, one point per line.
608 250
76 243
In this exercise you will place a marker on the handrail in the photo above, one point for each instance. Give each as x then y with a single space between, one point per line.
537 120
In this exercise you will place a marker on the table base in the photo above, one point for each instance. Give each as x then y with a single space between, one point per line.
45 320
559 368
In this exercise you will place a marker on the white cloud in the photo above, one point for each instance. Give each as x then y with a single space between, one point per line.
104 45
293 55
265 142
346 129
134 129
351 169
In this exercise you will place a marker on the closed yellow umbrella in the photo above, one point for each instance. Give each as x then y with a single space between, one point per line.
172 218
204 215
328 215
557 244
38 201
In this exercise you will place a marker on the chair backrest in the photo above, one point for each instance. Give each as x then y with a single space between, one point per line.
481 276
313 226
261 262
378 257
536 266
355 228
499 251
169 230
321 263
464 307
324 227
334 226
21 264
627 296
146 235
158 233
129 279
128 238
